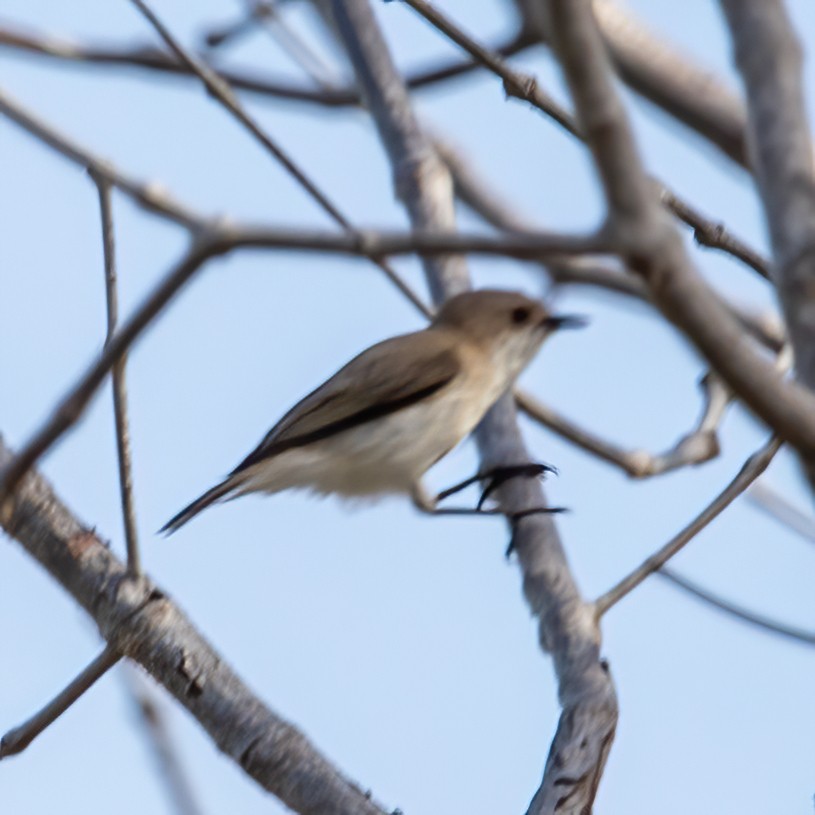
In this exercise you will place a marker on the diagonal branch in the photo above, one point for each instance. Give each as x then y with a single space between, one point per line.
17 739
749 472
799 635
138 620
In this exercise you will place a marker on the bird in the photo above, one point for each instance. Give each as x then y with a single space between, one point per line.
381 421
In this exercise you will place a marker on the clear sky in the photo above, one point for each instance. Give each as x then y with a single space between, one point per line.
400 644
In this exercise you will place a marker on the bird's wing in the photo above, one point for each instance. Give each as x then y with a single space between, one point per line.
367 388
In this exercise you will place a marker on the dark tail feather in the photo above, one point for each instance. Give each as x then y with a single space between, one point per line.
191 510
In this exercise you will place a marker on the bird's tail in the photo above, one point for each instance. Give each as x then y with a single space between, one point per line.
191 510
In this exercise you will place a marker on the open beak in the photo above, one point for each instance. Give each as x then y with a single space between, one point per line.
555 322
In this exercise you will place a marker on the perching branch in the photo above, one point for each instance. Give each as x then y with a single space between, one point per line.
138 620
588 720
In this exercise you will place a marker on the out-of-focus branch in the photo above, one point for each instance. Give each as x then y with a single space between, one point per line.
663 74
167 761
766 624
151 197
749 472
119 384
138 620
155 59
73 404
17 739
566 629
786 513
769 58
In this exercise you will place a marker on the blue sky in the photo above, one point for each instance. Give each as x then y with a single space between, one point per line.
400 644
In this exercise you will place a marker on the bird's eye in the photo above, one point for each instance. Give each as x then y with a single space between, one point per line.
520 315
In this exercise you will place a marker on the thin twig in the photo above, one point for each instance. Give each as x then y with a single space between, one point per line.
749 472
119 382
777 506
17 739
715 235
154 59
168 763
150 196
69 409
220 90
799 635
694 448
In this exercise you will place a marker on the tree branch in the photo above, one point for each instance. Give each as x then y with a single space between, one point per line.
749 472
138 620
566 628
769 58
18 738
119 385
799 635
154 59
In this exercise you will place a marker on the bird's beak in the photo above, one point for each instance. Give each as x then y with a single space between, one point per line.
554 322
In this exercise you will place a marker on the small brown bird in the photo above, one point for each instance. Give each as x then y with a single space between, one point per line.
378 424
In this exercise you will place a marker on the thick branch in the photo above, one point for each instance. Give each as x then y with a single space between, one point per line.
769 58
566 627
137 619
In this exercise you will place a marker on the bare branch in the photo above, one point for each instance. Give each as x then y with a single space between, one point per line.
566 626
715 235
696 447
799 635
17 739
664 75
119 383
221 240
150 196
72 405
777 506
769 58
755 465
138 620
154 59
169 767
